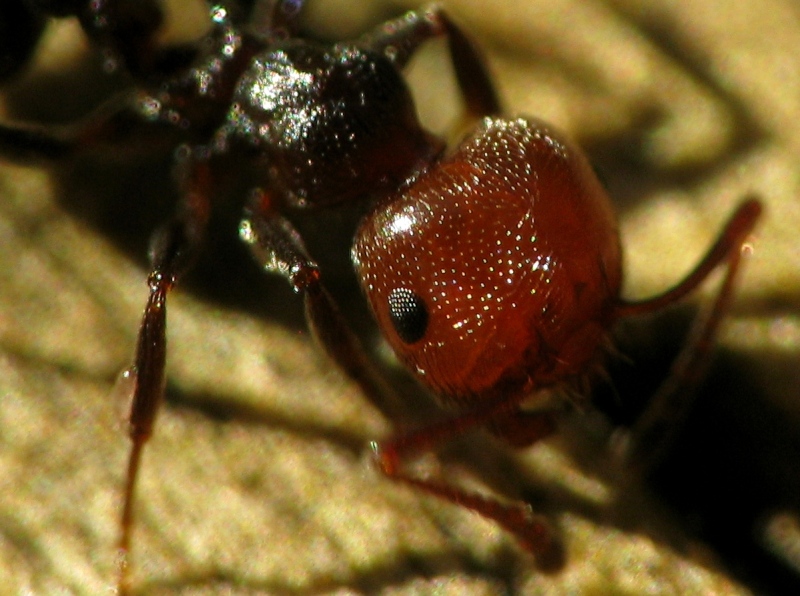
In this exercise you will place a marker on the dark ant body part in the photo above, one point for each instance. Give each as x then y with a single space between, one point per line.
493 268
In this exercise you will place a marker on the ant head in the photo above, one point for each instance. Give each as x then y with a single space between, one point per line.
484 273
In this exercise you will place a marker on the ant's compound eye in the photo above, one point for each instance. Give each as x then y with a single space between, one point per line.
408 314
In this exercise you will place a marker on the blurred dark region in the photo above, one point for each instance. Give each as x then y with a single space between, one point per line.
19 30
734 461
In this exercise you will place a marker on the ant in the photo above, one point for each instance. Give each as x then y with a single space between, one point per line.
492 267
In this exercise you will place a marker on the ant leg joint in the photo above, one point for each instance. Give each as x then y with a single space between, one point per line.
386 460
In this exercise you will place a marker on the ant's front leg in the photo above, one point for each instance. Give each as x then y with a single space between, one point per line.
173 250
503 418
278 248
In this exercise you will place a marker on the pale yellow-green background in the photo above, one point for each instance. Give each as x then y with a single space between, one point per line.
686 107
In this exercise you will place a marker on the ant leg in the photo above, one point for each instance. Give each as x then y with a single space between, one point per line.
117 128
278 247
31 145
172 251
653 432
730 241
400 38
121 134
532 531
127 31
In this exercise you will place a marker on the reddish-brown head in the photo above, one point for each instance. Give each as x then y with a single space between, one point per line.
496 271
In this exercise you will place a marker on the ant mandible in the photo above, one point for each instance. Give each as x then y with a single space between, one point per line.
493 268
